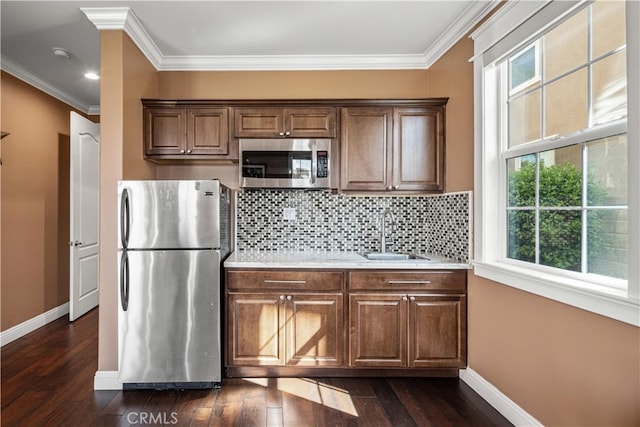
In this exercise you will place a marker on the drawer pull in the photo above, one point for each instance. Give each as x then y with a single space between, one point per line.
287 282
409 282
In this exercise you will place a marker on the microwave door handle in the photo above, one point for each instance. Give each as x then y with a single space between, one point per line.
314 165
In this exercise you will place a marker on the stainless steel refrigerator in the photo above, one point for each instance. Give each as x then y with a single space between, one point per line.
173 237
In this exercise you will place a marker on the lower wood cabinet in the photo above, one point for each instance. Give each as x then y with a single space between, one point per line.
351 322
407 330
407 318
280 329
285 318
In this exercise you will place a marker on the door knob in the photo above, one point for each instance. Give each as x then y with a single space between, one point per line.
75 243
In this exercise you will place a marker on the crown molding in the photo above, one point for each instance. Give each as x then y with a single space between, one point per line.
470 17
290 62
26 76
123 18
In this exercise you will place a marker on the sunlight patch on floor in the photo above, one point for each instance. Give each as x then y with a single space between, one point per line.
314 391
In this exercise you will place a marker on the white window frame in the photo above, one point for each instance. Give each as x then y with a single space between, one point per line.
536 76
515 25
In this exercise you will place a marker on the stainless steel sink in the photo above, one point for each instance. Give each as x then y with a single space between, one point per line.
390 256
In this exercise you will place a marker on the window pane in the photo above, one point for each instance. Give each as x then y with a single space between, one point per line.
607 177
565 47
523 67
524 119
609 26
607 242
566 104
561 239
522 181
522 235
561 177
610 88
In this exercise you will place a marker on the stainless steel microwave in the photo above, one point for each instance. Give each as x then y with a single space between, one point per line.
285 163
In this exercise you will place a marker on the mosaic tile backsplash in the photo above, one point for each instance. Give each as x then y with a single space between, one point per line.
324 221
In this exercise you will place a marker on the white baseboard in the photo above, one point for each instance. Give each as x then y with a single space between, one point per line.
106 380
507 407
31 325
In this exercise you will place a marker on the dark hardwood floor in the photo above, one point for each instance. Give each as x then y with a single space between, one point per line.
47 380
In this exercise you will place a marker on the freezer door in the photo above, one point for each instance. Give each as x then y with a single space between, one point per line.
169 316
168 214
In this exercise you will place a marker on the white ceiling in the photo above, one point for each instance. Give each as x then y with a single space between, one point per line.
228 35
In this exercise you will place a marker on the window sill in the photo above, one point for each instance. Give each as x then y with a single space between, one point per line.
611 303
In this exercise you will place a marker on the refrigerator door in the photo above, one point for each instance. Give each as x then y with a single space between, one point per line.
169 214
169 317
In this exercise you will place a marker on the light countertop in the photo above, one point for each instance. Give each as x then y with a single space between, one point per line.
338 260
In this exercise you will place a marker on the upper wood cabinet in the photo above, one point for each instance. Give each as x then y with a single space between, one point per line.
394 148
365 148
297 122
385 145
186 133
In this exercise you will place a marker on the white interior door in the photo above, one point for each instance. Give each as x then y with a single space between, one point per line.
85 214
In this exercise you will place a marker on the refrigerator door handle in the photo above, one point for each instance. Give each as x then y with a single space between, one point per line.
124 281
125 218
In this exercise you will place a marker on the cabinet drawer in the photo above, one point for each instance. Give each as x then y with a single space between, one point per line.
284 279
450 281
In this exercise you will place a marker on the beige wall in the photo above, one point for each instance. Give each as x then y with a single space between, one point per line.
34 202
452 77
126 76
294 84
563 365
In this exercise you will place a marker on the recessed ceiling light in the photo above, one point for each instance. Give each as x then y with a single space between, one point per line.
92 76
61 53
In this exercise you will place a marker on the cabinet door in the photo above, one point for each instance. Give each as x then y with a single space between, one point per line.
258 122
418 149
164 131
437 331
310 122
378 330
314 329
253 330
207 131
365 148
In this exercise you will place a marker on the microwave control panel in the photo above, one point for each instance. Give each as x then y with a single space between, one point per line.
323 164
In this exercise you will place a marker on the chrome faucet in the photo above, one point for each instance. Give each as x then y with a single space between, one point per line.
383 229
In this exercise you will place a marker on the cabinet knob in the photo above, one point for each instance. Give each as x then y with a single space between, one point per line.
188 151
412 298
289 297
404 298
389 188
281 134
287 133
282 297
181 151
395 187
